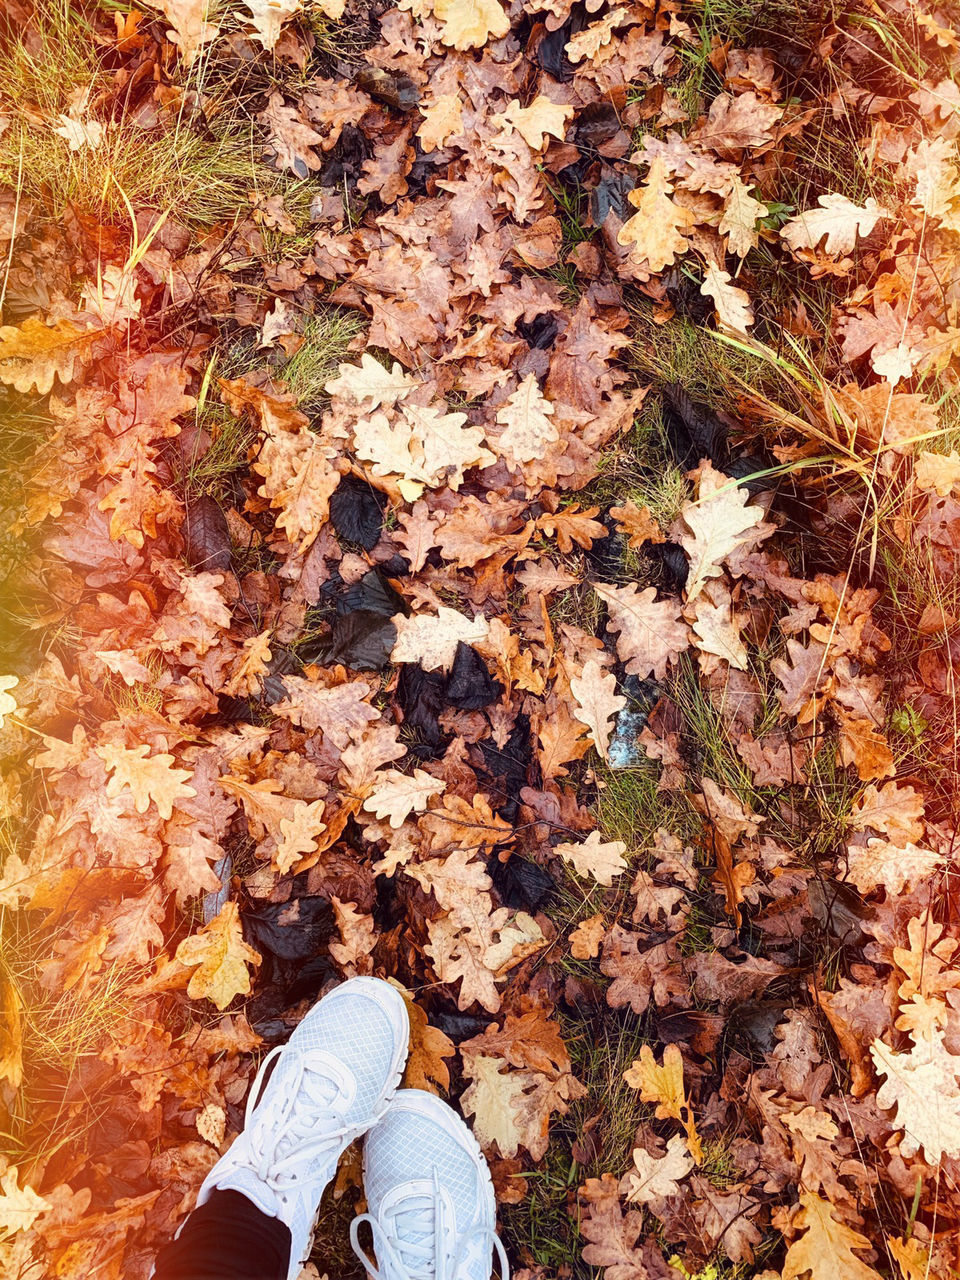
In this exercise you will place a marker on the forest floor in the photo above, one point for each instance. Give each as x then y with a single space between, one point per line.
481 507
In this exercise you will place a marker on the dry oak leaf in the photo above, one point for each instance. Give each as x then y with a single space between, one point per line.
397 795
300 831
340 711
519 936
597 702
736 123
423 448
895 810
733 306
595 857
937 471
826 1249
800 681
442 120
663 1084
586 938
465 825
358 937
8 704
34 355
911 1257
253 665
432 639
654 1178
19 1206
370 382
837 218
637 523
429 1048
291 139
528 433
652 632
741 213
655 233
190 30
456 880
925 961
599 34
891 866
146 777
528 1039
512 1109
457 949
731 817
534 122
718 632
722 520
469 24
562 739
221 958
269 17
864 746
611 1233
571 525
11 1034
134 925
924 1086
639 975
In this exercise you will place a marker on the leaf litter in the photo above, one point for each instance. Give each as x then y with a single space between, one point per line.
361 700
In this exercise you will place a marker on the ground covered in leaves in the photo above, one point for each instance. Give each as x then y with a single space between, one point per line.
481 508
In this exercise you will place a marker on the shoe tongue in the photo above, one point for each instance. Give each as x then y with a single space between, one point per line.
414 1219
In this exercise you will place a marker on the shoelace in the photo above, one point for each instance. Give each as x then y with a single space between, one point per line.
426 1258
287 1140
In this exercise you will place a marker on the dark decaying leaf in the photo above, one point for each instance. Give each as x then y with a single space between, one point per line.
508 765
363 640
421 697
290 930
610 196
838 909
693 431
372 594
540 333
755 1021
206 535
470 685
356 512
394 88
668 566
523 885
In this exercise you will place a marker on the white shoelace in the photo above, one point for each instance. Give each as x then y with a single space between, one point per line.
283 1140
428 1257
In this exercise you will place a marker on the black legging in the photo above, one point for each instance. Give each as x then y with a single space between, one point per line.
228 1238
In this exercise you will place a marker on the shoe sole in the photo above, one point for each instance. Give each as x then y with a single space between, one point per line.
433 1108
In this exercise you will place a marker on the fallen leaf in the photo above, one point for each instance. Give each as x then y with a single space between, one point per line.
825 1251
602 860
838 219
652 633
597 702
219 958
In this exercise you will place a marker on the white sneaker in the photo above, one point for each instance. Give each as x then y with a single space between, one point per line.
330 1082
432 1215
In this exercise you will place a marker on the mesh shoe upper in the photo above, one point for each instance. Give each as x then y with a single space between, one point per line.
432 1209
328 1084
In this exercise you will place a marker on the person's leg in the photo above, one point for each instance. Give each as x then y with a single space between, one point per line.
327 1085
227 1236
432 1210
